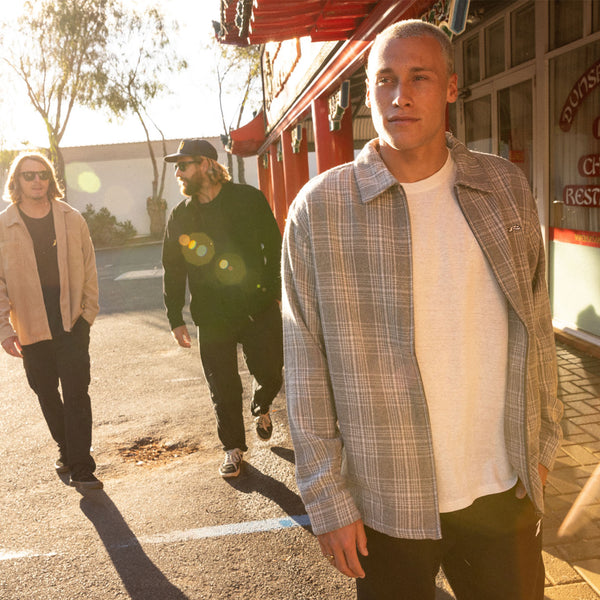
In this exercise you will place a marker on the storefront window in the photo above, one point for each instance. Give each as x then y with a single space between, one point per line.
494 49
575 139
471 61
522 34
575 188
515 124
478 124
566 22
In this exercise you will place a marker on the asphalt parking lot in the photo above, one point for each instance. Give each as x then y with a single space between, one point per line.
167 526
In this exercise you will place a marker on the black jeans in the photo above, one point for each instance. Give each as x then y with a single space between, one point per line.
66 359
262 344
491 550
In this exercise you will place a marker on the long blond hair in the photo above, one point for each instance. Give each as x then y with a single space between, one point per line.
12 190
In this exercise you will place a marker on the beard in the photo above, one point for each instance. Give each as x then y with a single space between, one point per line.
194 185
188 188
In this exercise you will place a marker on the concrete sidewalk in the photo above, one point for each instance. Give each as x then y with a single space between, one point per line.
573 564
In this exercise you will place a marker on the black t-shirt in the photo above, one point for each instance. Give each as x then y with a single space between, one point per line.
44 244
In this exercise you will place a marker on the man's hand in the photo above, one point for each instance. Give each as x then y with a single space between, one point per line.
182 336
521 492
12 346
342 545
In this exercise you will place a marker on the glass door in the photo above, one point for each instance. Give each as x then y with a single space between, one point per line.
498 118
515 126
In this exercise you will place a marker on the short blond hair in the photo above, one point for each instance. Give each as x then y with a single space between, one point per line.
416 28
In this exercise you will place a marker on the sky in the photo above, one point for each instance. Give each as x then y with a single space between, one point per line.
191 110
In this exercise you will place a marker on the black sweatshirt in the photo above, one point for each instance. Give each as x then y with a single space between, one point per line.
229 252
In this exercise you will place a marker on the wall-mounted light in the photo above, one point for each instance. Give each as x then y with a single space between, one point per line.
457 16
296 139
338 103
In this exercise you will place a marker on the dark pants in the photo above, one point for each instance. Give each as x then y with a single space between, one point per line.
491 550
66 359
262 344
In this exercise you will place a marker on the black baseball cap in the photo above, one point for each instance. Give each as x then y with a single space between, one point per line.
193 147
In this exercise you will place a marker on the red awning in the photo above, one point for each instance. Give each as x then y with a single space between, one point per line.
348 57
247 22
246 140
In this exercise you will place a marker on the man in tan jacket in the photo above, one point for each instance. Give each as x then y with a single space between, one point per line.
48 301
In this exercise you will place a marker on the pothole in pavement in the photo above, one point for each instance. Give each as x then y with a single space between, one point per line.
152 451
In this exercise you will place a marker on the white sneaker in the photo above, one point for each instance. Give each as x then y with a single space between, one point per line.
232 463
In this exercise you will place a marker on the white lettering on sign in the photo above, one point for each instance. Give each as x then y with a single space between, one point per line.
582 195
589 165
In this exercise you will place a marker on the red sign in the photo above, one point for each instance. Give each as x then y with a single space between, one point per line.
516 156
596 128
583 87
582 195
589 165
572 236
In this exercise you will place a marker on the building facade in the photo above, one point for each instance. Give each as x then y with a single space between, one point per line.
529 80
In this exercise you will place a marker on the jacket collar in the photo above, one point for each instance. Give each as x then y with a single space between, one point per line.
13 216
373 177
469 171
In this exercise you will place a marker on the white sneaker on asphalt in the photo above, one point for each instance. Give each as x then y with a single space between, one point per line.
232 463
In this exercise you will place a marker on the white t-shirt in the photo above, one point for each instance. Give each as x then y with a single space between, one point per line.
461 337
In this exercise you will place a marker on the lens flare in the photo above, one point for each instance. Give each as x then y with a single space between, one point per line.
198 248
89 182
82 178
230 269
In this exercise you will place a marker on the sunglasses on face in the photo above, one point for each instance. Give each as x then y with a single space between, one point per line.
31 175
182 166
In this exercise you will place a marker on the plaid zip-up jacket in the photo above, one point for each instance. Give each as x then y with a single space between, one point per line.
356 406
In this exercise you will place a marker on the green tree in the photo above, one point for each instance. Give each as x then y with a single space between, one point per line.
6 158
237 72
72 53
57 49
132 80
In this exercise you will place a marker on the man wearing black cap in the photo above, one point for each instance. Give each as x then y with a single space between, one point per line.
224 242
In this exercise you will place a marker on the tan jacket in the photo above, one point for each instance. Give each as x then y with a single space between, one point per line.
22 309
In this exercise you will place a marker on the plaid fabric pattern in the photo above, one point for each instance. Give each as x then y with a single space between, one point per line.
356 406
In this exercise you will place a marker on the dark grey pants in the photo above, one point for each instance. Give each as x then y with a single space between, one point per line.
262 344
65 359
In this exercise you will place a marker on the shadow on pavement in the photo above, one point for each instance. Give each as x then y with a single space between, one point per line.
285 453
253 480
140 576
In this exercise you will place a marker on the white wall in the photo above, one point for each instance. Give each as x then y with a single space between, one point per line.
119 177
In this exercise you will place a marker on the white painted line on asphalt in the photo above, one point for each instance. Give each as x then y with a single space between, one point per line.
222 530
9 555
143 274
187 535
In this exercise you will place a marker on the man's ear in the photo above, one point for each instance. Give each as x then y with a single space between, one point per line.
452 93
368 95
